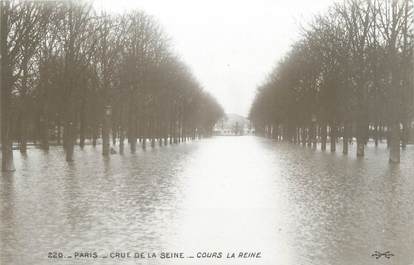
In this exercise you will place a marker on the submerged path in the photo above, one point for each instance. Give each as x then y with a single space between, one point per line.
224 194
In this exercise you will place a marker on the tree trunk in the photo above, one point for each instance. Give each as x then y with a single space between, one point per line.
69 140
171 132
395 143
5 93
314 135
22 131
345 139
164 132
175 132
324 135
333 137
105 130
310 135
114 135
121 141
303 136
360 139
144 139
132 132
44 133
152 133
360 147
82 130
24 113
59 133
388 134
405 134
94 137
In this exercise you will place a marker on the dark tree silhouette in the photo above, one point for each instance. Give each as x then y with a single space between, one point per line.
350 74
70 75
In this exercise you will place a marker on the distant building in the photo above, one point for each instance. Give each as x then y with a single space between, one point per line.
233 124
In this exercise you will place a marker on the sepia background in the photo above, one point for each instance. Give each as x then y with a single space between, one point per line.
279 127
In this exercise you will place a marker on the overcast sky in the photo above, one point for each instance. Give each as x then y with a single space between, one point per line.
230 45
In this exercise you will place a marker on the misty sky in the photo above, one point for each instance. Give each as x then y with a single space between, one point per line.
230 45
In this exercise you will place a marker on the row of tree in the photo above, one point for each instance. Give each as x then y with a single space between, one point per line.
350 75
69 74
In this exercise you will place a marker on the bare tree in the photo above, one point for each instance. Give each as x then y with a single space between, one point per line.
350 71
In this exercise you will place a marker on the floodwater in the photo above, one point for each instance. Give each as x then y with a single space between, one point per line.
294 205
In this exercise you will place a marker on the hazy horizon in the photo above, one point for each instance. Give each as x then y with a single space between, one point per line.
230 46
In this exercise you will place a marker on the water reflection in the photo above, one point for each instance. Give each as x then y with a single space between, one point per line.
295 205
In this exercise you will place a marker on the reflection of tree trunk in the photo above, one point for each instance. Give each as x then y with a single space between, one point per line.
376 134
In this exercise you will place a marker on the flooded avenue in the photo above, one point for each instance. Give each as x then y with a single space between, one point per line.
295 205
